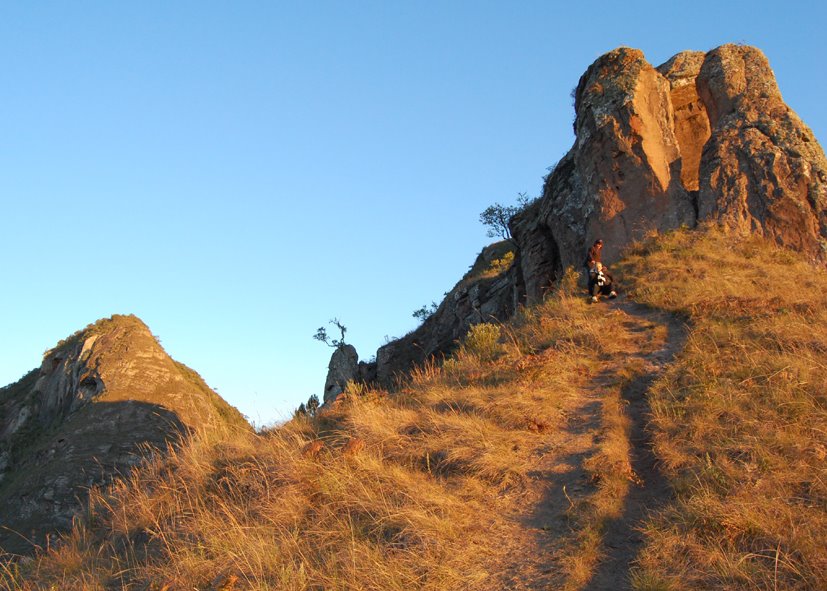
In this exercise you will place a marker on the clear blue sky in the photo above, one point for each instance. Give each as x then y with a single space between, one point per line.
237 173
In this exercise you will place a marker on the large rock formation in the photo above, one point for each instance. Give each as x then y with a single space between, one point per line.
705 136
762 170
99 402
702 137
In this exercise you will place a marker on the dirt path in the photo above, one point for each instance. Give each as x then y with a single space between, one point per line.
537 550
622 541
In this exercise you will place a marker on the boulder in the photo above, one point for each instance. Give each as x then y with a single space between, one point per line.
343 368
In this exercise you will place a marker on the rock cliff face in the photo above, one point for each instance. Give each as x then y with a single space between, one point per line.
762 169
486 293
100 400
702 137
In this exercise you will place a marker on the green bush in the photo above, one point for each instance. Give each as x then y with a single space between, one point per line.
483 341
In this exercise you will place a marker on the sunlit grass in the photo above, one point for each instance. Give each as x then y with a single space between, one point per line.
418 488
436 467
740 419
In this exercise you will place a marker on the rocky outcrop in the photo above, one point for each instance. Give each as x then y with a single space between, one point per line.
486 293
702 137
99 402
762 170
343 368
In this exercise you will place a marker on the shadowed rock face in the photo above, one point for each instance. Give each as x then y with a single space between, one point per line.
689 117
702 137
99 401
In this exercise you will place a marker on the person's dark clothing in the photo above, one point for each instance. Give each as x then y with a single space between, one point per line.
600 283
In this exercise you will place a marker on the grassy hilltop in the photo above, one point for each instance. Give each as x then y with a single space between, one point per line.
675 439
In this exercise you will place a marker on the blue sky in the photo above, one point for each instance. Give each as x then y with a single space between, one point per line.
236 174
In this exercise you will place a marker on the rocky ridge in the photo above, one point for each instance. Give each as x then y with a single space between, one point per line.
99 402
485 293
704 137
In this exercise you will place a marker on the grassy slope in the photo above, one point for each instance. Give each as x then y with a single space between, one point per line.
741 418
423 489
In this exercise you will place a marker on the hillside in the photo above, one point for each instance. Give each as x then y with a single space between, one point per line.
704 137
522 437
101 400
674 439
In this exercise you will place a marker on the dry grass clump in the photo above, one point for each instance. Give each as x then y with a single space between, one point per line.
741 417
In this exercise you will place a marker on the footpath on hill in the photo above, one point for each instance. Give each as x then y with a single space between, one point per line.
596 477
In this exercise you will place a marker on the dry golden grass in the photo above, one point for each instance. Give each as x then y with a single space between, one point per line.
740 418
423 488
402 491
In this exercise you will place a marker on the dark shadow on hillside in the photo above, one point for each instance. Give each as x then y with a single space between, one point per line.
622 539
552 519
50 477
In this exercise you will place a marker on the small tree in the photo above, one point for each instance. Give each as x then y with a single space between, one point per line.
425 312
321 334
301 411
497 216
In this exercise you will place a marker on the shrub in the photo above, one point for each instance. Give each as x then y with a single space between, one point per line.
501 265
483 341
423 313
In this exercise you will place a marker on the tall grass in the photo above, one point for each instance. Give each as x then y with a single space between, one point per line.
379 491
741 417
428 487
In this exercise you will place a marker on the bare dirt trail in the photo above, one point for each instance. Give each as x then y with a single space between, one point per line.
536 551
622 541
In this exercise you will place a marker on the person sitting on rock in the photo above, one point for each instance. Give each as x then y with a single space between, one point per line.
601 283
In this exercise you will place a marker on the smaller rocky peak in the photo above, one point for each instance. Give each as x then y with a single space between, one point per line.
100 400
99 359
